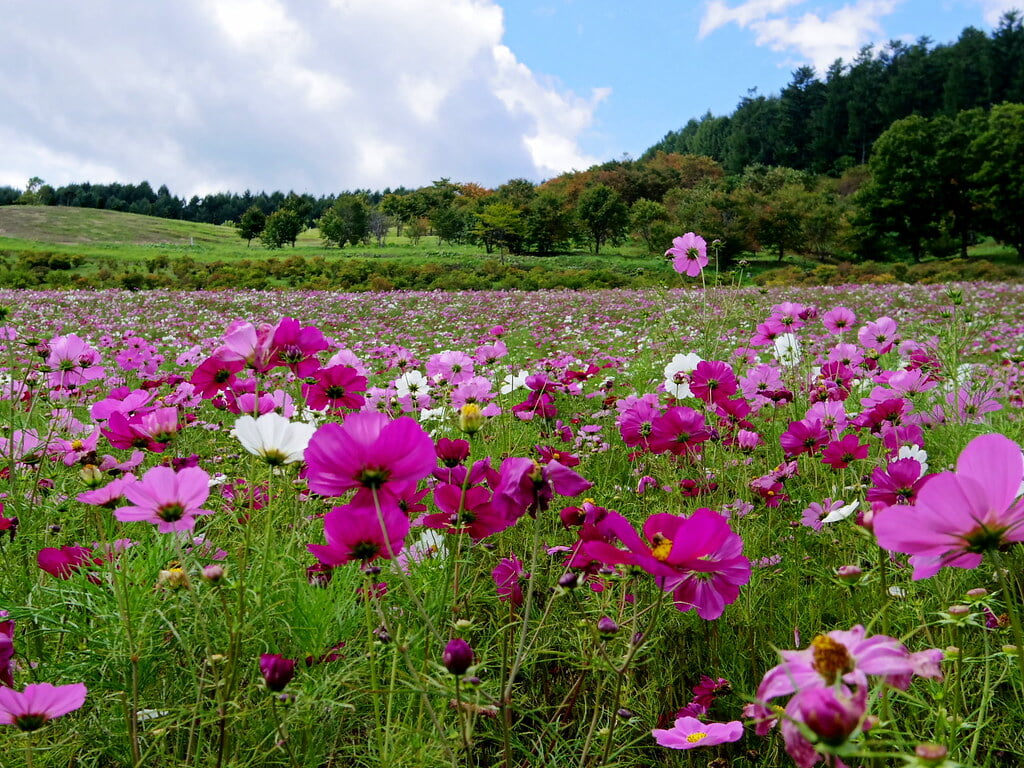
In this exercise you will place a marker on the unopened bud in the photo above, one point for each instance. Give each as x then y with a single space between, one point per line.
606 628
213 573
471 418
91 475
849 574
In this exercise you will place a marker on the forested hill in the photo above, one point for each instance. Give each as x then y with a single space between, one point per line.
828 124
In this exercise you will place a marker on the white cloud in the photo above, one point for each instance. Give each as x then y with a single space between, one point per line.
311 95
818 39
994 9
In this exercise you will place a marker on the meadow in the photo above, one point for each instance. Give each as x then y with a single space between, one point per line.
680 526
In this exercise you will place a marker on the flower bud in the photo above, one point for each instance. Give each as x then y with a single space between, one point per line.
958 610
91 475
606 628
471 418
213 573
457 656
831 716
277 671
975 594
849 574
173 578
568 581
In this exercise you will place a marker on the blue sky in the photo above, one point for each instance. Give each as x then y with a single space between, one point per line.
322 96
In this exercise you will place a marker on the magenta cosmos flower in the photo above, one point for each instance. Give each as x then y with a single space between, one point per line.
690 254
356 532
31 708
959 516
699 559
369 452
689 732
168 499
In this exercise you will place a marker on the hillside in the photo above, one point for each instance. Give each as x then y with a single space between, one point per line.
71 226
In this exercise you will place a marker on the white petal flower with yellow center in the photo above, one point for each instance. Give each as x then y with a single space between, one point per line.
273 438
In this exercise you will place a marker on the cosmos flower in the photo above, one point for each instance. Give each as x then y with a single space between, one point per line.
690 254
959 516
273 438
39 703
168 499
689 732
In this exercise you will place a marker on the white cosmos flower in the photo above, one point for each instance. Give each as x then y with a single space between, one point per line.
411 383
841 514
511 382
273 438
917 453
677 375
787 349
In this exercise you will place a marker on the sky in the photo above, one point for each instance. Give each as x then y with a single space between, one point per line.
323 96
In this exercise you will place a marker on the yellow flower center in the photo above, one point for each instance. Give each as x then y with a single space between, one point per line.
662 547
831 659
693 738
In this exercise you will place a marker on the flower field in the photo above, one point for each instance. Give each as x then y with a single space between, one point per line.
679 527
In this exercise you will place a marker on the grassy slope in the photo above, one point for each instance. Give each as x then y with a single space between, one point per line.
111 238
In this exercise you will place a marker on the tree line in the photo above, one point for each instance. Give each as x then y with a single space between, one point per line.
907 152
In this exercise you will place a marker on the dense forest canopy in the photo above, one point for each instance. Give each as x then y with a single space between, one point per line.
909 150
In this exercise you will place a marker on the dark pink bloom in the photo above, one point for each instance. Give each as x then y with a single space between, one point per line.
839 453
689 732
526 486
296 347
689 254
959 516
31 708
466 510
215 374
369 452
713 381
805 436
635 423
277 671
680 430
336 387
699 559
898 483
64 561
168 499
508 575
833 716
355 532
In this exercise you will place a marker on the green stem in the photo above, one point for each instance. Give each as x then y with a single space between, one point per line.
1010 593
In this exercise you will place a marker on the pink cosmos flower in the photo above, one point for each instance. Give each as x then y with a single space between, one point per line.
63 562
168 499
451 366
526 486
699 559
679 431
838 320
839 453
296 347
846 656
713 380
959 516
878 335
898 483
508 575
354 532
215 374
72 362
805 436
466 510
690 254
369 452
831 715
31 708
689 732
